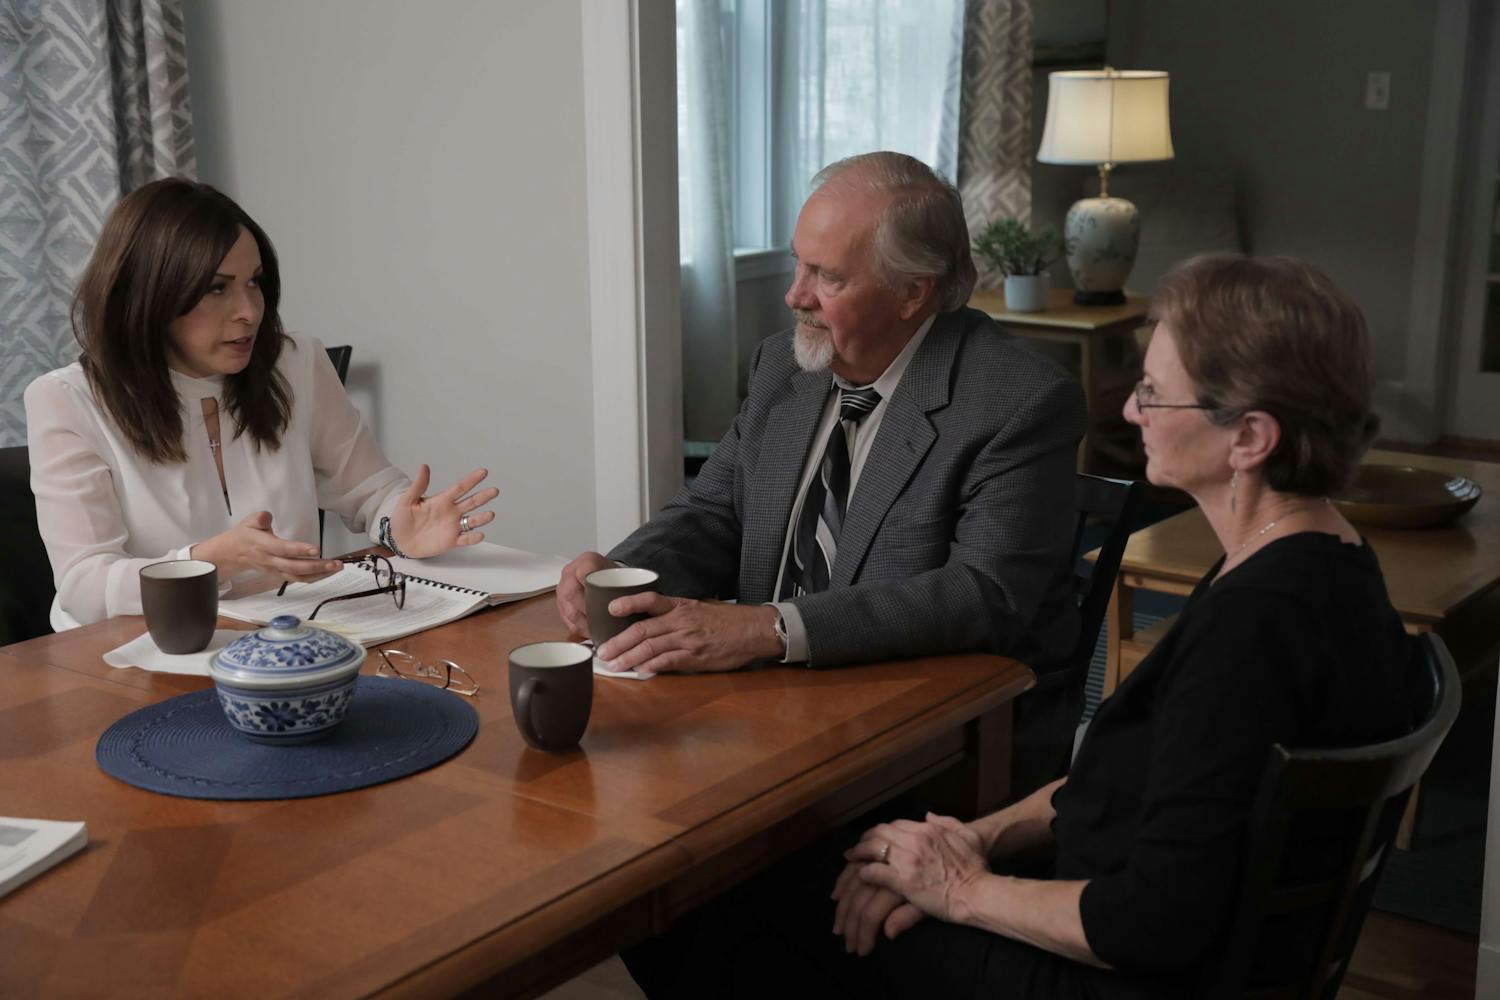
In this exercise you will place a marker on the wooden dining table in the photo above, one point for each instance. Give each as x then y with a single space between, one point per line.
504 869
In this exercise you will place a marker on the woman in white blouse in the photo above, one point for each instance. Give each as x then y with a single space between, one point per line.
193 426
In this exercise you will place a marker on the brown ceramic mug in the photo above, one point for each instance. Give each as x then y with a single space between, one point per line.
180 599
604 585
552 692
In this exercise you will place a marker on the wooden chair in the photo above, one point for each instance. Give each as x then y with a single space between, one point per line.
26 588
1112 501
1348 804
1047 716
340 357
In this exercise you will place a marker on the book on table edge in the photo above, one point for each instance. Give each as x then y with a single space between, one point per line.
29 847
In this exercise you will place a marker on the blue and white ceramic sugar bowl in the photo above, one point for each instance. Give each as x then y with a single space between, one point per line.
288 682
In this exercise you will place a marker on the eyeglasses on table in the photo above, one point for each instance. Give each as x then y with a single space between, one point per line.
387 581
444 674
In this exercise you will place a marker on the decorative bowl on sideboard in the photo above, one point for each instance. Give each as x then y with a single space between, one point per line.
1401 496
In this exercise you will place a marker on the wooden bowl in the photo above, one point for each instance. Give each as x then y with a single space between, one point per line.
1399 496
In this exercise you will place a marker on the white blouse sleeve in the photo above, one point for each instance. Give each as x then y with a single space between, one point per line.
76 507
354 478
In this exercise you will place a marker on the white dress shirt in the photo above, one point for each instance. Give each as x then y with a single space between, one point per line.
860 441
105 512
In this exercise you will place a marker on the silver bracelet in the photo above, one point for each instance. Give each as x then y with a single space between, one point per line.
389 540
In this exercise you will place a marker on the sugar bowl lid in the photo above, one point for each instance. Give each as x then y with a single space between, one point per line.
286 654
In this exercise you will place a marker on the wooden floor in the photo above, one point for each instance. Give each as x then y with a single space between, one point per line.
1401 959
1397 959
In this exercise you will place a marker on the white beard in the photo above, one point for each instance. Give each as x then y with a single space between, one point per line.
813 348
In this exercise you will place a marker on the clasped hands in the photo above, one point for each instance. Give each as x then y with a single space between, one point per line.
681 634
422 525
900 872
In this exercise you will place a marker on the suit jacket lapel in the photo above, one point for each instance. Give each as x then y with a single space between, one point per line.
783 453
905 436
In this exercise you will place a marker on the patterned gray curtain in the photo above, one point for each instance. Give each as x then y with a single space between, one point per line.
93 103
994 129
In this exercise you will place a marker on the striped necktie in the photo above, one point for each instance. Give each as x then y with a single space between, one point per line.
815 538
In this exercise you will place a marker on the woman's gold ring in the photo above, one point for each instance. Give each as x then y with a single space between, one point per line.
885 854
463 524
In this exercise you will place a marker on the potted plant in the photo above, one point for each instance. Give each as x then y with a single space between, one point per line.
1010 247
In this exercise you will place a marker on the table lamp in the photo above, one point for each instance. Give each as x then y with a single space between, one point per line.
1101 118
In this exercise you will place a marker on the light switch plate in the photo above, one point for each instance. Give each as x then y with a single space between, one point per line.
1377 90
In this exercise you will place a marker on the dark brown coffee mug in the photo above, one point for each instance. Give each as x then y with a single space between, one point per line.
180 599
552 692
604 585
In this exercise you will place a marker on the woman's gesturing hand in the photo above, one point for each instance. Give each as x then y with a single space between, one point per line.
928 864
252 544
429 526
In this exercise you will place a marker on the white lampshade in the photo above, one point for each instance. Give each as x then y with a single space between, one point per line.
1106 116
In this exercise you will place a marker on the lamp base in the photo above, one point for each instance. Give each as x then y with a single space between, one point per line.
1102 235
1083 298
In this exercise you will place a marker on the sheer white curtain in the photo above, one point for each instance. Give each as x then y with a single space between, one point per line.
862 75
827 79
703 204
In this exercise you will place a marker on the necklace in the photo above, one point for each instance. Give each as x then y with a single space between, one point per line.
1271 524
1246 543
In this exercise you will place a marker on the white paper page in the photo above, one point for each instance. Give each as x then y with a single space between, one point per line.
366 620
489 569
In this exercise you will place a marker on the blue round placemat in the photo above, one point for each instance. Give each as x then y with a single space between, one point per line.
184 746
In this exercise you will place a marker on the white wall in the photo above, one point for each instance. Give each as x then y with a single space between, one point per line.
420 168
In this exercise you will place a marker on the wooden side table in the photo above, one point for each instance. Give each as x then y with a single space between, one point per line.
1098 332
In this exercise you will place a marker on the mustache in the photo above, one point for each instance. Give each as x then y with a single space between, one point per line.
806 318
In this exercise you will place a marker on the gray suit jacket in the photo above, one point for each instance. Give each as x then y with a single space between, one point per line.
959 532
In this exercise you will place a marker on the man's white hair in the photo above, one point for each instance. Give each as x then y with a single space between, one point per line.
922 232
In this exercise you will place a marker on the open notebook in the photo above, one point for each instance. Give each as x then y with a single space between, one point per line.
438 591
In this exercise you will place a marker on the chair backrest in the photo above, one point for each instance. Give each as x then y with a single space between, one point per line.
1113 501
26 577
340 357
1353 800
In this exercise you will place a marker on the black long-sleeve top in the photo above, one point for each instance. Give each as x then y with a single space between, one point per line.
1298 645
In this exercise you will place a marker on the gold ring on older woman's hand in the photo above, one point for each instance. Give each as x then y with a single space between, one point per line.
463 524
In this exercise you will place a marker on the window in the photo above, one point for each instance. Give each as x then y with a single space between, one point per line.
812 81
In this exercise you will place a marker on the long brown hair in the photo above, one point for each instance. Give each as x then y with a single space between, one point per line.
155 259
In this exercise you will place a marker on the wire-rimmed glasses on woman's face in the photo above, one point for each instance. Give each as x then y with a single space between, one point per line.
444 674
1144 394
387 581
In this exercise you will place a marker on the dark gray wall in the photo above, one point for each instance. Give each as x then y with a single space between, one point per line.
1268 111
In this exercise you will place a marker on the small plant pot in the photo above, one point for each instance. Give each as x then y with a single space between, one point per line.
1027 293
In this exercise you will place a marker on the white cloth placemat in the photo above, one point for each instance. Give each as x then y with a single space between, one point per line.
142 652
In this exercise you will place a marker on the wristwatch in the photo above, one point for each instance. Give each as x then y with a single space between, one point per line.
780 626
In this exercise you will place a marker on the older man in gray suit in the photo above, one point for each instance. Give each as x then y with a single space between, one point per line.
899 481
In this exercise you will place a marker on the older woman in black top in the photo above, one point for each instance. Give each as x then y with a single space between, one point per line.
1256 402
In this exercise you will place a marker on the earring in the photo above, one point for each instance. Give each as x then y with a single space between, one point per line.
1234 491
